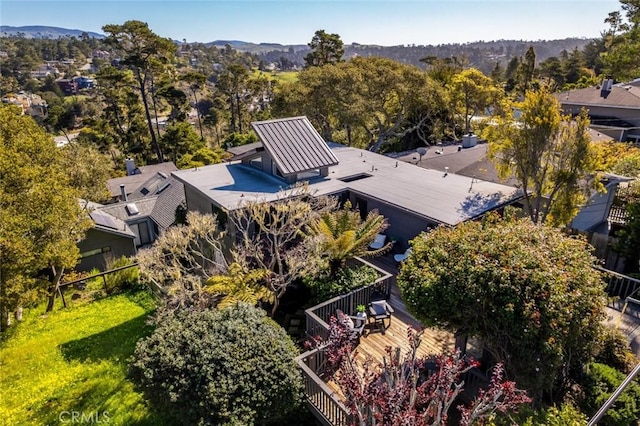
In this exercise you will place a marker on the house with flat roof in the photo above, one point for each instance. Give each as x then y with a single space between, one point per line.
614 109
291 151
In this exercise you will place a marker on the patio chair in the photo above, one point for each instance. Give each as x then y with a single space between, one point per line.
380 311
401 257
354 323
378 243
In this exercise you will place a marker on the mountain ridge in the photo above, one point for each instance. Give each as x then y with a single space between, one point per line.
44 31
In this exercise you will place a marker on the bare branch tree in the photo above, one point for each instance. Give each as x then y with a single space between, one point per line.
273 236
183 258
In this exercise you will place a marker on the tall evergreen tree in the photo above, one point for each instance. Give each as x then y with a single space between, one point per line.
144 53
325 49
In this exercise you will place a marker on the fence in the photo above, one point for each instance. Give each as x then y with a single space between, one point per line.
155 288
325 405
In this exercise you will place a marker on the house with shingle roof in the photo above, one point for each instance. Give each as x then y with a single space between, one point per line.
136 177
144 203
614 109
291 151
109 237
149 209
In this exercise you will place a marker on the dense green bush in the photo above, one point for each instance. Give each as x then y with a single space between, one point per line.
529 292
125 279
347 279
565 415
615 351
222 367
599 383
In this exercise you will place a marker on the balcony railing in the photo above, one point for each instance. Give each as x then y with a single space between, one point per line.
621 290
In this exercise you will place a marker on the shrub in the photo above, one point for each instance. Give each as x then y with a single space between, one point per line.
565 415
599 383
529 292
125 279
347 279
615 351
230 366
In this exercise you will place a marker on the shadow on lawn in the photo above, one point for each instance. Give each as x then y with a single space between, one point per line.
116 343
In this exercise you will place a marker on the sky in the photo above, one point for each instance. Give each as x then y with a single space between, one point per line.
383 22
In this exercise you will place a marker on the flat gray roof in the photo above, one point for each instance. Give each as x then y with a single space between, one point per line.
449 199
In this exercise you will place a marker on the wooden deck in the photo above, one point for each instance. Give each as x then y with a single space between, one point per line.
373 342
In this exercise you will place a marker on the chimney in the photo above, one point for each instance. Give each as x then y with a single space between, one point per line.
131 166
123 193
606 87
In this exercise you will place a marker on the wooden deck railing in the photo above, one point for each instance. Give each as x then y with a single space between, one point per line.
325 405
321 400
318 316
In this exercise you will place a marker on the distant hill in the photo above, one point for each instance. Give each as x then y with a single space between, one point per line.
481 54
40 31
257 48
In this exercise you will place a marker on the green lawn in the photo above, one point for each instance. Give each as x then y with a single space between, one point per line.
75 359
279 76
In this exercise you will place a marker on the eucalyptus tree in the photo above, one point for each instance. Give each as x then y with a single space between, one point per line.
196 81
144 53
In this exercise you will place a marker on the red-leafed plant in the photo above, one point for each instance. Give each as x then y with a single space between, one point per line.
401 390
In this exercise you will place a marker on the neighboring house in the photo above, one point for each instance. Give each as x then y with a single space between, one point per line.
595 213
472 162
68 87
599 219
136 177
151 207
614 109
291 151
109 237
85 82
44 71
30 104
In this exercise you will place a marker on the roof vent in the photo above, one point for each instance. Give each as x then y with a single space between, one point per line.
132 209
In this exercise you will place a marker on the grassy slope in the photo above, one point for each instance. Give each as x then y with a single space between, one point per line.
75 360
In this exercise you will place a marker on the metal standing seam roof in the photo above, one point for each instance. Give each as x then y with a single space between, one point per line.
294 145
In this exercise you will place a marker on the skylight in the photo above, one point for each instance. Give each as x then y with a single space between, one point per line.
355 177
132 209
